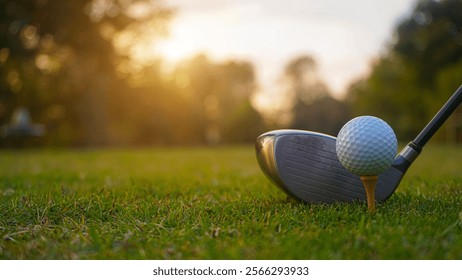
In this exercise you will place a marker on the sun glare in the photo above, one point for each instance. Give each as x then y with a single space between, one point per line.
186 38
216 34
174 50
143 48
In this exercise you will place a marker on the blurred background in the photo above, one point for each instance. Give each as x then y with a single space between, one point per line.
213 72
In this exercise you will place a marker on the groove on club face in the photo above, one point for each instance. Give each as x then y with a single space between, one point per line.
305 165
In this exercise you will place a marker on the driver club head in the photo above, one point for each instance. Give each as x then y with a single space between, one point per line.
304 164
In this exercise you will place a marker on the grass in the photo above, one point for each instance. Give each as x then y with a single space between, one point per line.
212 203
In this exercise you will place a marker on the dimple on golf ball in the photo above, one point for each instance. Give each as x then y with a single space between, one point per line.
366 146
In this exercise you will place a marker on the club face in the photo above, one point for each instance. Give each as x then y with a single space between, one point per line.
305 165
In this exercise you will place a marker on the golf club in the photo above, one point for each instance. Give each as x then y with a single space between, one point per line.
304 164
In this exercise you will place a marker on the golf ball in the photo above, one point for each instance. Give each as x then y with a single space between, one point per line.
366 146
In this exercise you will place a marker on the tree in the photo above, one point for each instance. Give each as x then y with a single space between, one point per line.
60 62
218 94
414 77
430 38
312 106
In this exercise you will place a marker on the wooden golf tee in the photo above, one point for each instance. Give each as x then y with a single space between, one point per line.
369 183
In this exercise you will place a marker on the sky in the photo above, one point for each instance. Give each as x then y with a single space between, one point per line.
342 36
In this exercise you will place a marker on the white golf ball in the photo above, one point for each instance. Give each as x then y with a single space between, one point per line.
366 146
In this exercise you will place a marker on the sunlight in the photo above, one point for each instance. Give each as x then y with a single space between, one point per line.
218 34
148 48
174 50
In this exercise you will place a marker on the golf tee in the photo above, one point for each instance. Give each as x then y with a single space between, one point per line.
369 183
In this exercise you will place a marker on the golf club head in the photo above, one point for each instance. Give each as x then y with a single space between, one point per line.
304 164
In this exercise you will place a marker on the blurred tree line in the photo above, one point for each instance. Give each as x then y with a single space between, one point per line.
78 66
74 65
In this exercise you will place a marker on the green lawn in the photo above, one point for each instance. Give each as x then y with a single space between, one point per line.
212 203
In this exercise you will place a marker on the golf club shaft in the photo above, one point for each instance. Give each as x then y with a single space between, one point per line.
412 150
438 120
